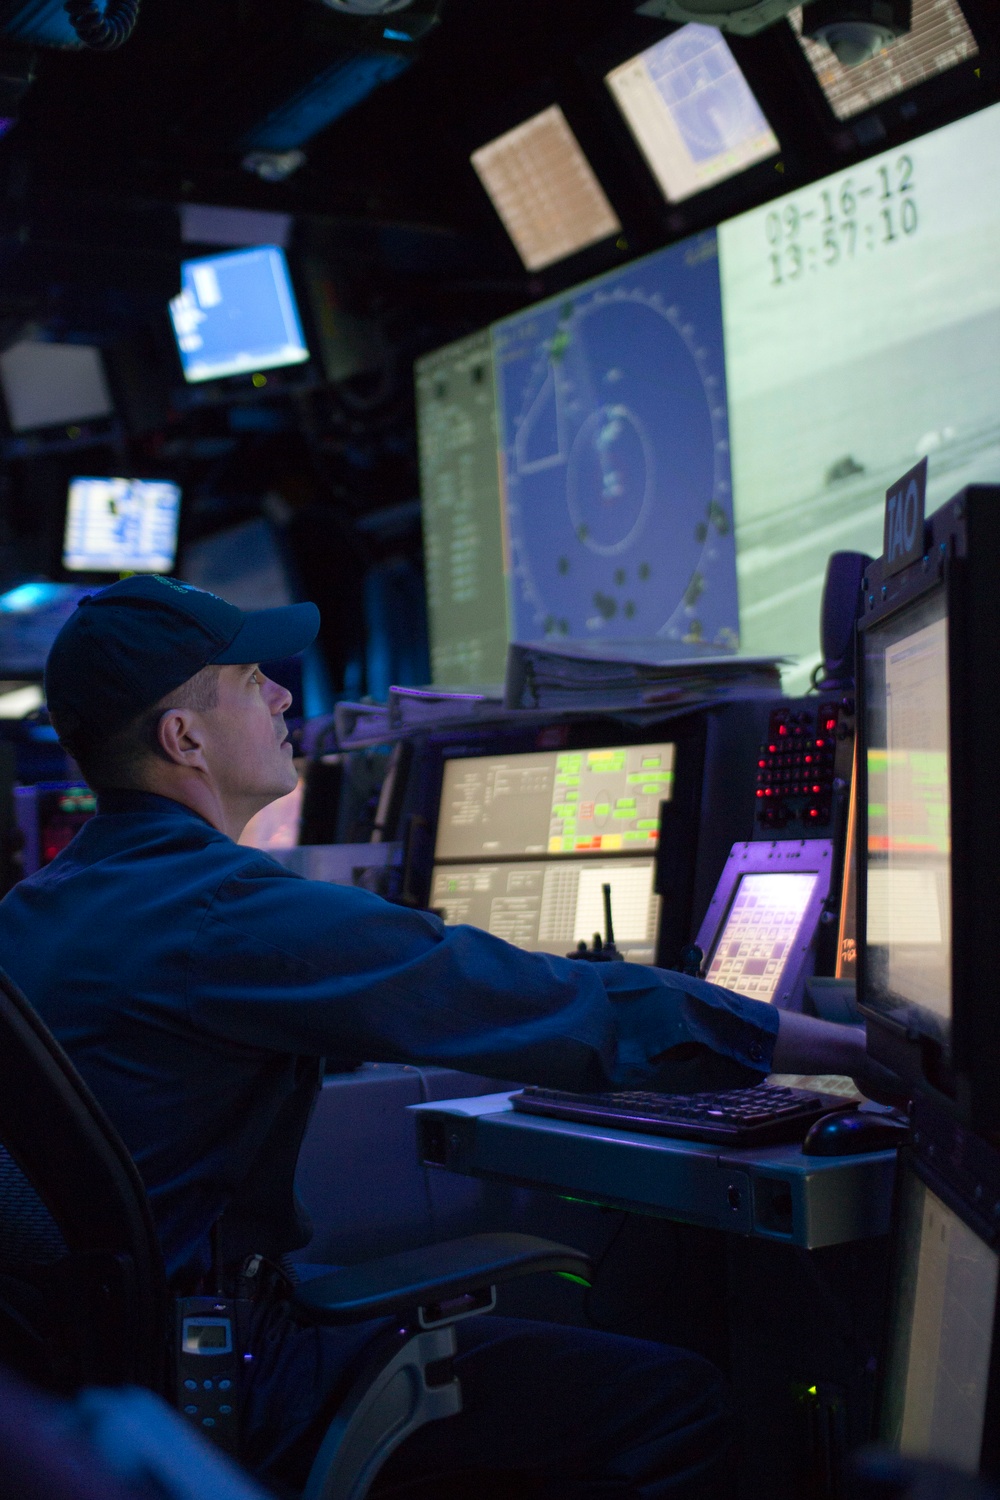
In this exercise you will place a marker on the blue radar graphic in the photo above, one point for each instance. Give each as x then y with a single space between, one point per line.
612 410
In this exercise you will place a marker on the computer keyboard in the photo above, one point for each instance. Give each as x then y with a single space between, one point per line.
734 1117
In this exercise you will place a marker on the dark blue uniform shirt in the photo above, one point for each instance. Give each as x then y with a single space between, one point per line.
196 984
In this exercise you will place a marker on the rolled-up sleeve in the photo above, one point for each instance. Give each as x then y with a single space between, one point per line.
304 967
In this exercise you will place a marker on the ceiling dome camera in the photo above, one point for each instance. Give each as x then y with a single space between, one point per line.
855 30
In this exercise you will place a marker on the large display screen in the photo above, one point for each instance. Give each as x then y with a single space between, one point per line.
684 441
908 858
862 331
557 802
121 525
544 190
462 524
236 313
692 113
614 450
941 1333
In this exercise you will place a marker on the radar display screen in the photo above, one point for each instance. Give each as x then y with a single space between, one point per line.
121 525
692 113
611 404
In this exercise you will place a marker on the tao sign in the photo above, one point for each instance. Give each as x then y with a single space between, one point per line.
903 538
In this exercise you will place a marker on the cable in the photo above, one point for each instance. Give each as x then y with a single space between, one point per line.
102 29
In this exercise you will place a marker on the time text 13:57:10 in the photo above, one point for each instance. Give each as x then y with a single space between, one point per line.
842 218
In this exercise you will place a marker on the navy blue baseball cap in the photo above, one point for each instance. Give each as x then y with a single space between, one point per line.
126 647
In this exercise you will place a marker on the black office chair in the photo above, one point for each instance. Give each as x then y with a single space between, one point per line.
84 1297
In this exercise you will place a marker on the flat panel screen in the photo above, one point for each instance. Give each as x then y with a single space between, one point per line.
938 39
941 1333
828 345
460 506
908 858
549 906
48 385
692 113
760 932
559 802
544 190
121 525
236 313
611 402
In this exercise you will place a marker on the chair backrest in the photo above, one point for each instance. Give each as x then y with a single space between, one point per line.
82 1284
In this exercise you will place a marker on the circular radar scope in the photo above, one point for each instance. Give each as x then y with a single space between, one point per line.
613 421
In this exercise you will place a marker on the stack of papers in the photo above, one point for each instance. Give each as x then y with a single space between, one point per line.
409 709
627 675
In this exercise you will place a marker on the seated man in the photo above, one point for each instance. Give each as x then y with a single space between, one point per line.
197 985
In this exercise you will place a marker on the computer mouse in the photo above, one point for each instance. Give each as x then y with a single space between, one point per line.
849 1132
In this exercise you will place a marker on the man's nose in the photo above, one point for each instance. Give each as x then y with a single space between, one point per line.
278 697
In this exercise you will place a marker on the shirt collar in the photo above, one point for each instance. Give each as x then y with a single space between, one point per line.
122 800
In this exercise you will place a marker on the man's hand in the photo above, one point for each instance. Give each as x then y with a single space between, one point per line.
807 1045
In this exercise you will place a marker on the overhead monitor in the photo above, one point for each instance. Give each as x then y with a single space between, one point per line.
236 314
691 111
52 385
545 190
758 932
121 525
936 1384
826 344
554 802
939 38
460 508
550 907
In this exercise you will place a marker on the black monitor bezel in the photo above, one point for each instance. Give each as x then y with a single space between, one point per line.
962 542
932 1157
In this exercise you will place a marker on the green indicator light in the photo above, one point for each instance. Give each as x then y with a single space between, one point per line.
647 823
602 809
570 780
650 791
624 813
630 833
650 763
626 802
567 843
568 1275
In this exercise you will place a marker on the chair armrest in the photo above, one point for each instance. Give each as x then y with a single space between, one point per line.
432 1274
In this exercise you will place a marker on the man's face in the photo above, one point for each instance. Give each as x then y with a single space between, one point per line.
246 743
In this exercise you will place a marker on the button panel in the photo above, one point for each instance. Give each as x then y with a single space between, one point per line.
796 765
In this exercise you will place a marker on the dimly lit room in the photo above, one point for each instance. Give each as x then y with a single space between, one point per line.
499 624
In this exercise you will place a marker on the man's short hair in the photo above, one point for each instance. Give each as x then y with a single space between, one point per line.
115 763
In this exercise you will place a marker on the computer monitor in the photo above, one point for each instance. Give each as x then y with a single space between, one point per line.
121 525
526 841
691 111
939 38
929 869
236 314
460 507
758 933
938 1396
544 190
50 385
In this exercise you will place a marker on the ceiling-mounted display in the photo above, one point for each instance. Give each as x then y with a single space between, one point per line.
692 113
939 38
544 190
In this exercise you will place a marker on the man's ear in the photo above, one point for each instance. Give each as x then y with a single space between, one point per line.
181 738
